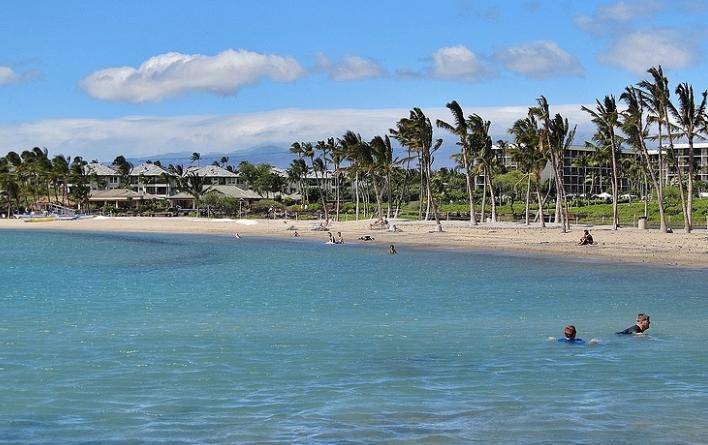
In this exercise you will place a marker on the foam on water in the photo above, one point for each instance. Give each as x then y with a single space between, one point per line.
125 338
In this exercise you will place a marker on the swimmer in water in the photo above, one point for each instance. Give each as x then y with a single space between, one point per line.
237 236
641 326
569 336
569 333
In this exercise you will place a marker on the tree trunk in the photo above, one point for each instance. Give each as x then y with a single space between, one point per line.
470 189
528 193
356 192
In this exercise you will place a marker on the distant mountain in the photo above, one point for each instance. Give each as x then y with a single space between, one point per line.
279 156
267 154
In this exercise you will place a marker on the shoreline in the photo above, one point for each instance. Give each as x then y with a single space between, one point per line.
626 245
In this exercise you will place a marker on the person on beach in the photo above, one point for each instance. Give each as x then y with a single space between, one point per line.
237 236
331 238
392 250
586 239
641 326
296 235
340 239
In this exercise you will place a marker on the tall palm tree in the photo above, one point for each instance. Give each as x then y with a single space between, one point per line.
659 102
485 155
554 152
606 118
460 130
636 126
358 154
692 121
417 131
529 159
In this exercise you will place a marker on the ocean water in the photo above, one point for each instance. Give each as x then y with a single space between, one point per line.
110 338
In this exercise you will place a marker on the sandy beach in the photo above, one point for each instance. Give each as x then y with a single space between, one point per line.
624 245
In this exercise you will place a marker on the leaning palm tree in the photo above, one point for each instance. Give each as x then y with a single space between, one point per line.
460 129
692 121
606 118
636 126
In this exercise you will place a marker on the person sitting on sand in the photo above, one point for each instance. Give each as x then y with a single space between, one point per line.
296 235
639 327
586 239
392 250
340 240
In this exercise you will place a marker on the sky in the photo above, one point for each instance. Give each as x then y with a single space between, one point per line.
98 79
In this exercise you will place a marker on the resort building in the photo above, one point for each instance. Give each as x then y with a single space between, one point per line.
700 162
214 175
102 177
152 179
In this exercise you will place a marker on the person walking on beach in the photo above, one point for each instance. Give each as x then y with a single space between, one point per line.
641 326
392 250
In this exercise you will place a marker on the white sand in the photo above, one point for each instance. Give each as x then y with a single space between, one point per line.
623 245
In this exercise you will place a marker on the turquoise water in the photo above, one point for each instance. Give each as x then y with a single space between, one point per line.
184 339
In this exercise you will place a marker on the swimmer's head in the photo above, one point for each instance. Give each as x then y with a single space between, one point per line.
569 332
643 321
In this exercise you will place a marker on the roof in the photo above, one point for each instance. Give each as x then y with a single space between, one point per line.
148 170
94 168
235 192
211 171
119 195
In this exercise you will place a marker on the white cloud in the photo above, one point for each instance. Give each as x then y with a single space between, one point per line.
607 17
7 75
540 59
638 51
146 136
458 63
350 68
174 73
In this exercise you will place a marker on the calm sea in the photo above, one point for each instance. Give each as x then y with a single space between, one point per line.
183 339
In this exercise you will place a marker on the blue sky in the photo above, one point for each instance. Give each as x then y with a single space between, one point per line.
142 78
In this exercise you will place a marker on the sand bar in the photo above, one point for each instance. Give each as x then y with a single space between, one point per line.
624 245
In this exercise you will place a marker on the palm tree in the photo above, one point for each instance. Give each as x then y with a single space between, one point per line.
417 132
659 103
383 163
196 157
460 130
692 120
636 127
529 159
357 152
485 156
606 118
556 132
195 185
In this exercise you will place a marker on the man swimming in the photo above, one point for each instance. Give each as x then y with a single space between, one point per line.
569 333
639 327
